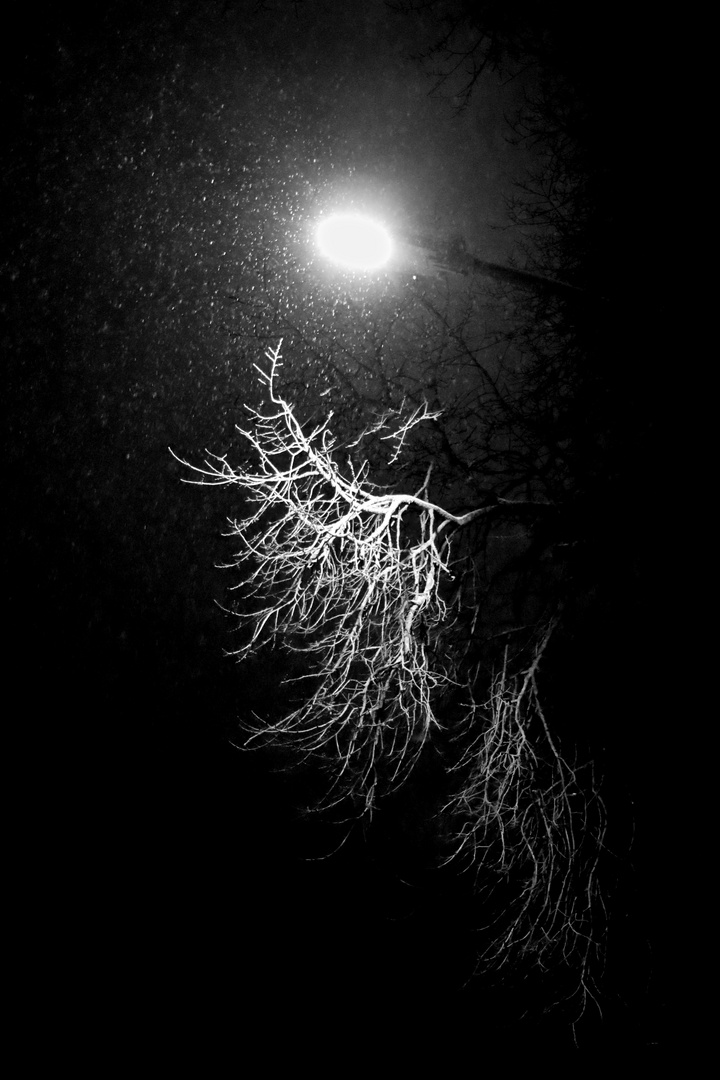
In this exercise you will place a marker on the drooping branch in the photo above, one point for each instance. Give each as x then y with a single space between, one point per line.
375 598
530 825
348 578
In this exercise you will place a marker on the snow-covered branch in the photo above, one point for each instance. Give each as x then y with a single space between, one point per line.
348 576
355 585
351 578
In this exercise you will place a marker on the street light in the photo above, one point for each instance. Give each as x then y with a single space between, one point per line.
354 241
363 244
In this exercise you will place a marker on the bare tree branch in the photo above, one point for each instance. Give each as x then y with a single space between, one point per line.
377 597
352 578
528 821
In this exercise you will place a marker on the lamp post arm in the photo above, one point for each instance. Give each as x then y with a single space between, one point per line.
525 277
463 262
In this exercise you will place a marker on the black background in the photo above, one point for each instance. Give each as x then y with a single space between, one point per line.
169 879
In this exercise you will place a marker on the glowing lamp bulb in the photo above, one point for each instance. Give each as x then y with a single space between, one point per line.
354 241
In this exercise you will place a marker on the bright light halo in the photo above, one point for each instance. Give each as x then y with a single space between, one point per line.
354 241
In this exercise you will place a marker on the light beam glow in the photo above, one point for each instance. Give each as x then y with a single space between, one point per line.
354 241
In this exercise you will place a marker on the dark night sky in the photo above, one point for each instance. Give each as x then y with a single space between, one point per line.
153 149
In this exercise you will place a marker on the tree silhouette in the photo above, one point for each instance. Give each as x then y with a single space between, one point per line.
378 596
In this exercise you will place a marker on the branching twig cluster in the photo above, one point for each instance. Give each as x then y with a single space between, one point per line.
530 826
352 582
347 576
